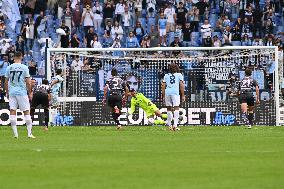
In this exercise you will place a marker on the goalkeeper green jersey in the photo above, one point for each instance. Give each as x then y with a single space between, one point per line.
141 101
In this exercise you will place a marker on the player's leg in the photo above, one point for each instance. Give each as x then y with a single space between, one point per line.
176 103
53 110
250 103
169 105
244 108
13 117
45 105
35 102
24 105
113 103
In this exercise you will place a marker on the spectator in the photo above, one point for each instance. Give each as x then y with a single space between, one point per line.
30 33
107 40
154 36
207 42
126 19
76 64
32 68
227 34
195 22
3 65
236 33
269 41
74 42
139 31
108 12
170 15
89 37
181 15
138 8
97 10
119 10
268 27
131 41
206 30
257 21
257 41
76 18
86 66
162 24
187 35
37 23
4 47
202 6
245 40
116 44
145 42
176 43
20 44
227 43
64 39
95 42
40 5
216 41
116 30
68 18
108 27
87 19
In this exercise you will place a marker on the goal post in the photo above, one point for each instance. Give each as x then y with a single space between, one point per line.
211 76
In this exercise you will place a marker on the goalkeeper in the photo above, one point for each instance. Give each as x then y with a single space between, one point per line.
138 99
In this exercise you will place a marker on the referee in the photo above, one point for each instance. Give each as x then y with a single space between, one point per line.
41 96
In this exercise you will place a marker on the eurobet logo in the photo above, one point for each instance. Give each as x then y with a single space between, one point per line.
189 116
5 120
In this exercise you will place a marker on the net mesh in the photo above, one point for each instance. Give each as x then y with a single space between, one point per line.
211 80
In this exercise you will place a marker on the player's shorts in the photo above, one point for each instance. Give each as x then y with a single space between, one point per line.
247 98
21 102
54 100
150 111
40 99
115 100
163 32
172 100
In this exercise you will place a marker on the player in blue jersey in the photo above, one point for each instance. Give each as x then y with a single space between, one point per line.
172 92
18 88
55 85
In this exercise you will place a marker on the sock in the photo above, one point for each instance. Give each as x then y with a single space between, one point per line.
53 113
115 117
29 124
176 117
250 118
170 117
13 120
164 116
46 116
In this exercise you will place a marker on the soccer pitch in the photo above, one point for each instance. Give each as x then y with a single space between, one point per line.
143 157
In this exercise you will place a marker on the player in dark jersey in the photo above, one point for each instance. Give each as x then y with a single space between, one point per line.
117 94
41 96
246 97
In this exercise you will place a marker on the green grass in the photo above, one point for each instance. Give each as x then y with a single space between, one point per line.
143 157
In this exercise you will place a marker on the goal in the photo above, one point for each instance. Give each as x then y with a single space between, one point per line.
211 80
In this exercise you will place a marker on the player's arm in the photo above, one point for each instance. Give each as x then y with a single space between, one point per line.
181 86
105 92
54 82
29 86
163 89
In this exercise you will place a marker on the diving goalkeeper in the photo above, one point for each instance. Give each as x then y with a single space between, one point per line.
138 99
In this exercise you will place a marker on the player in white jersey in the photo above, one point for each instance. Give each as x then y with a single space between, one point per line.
172 92
18 88
55 88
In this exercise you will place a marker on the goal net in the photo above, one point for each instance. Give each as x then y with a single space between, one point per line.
211 79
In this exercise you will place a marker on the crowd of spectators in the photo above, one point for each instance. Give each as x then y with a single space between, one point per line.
139 23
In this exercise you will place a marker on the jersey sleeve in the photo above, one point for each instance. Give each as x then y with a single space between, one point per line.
7 72
60 79
255 83
26 72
